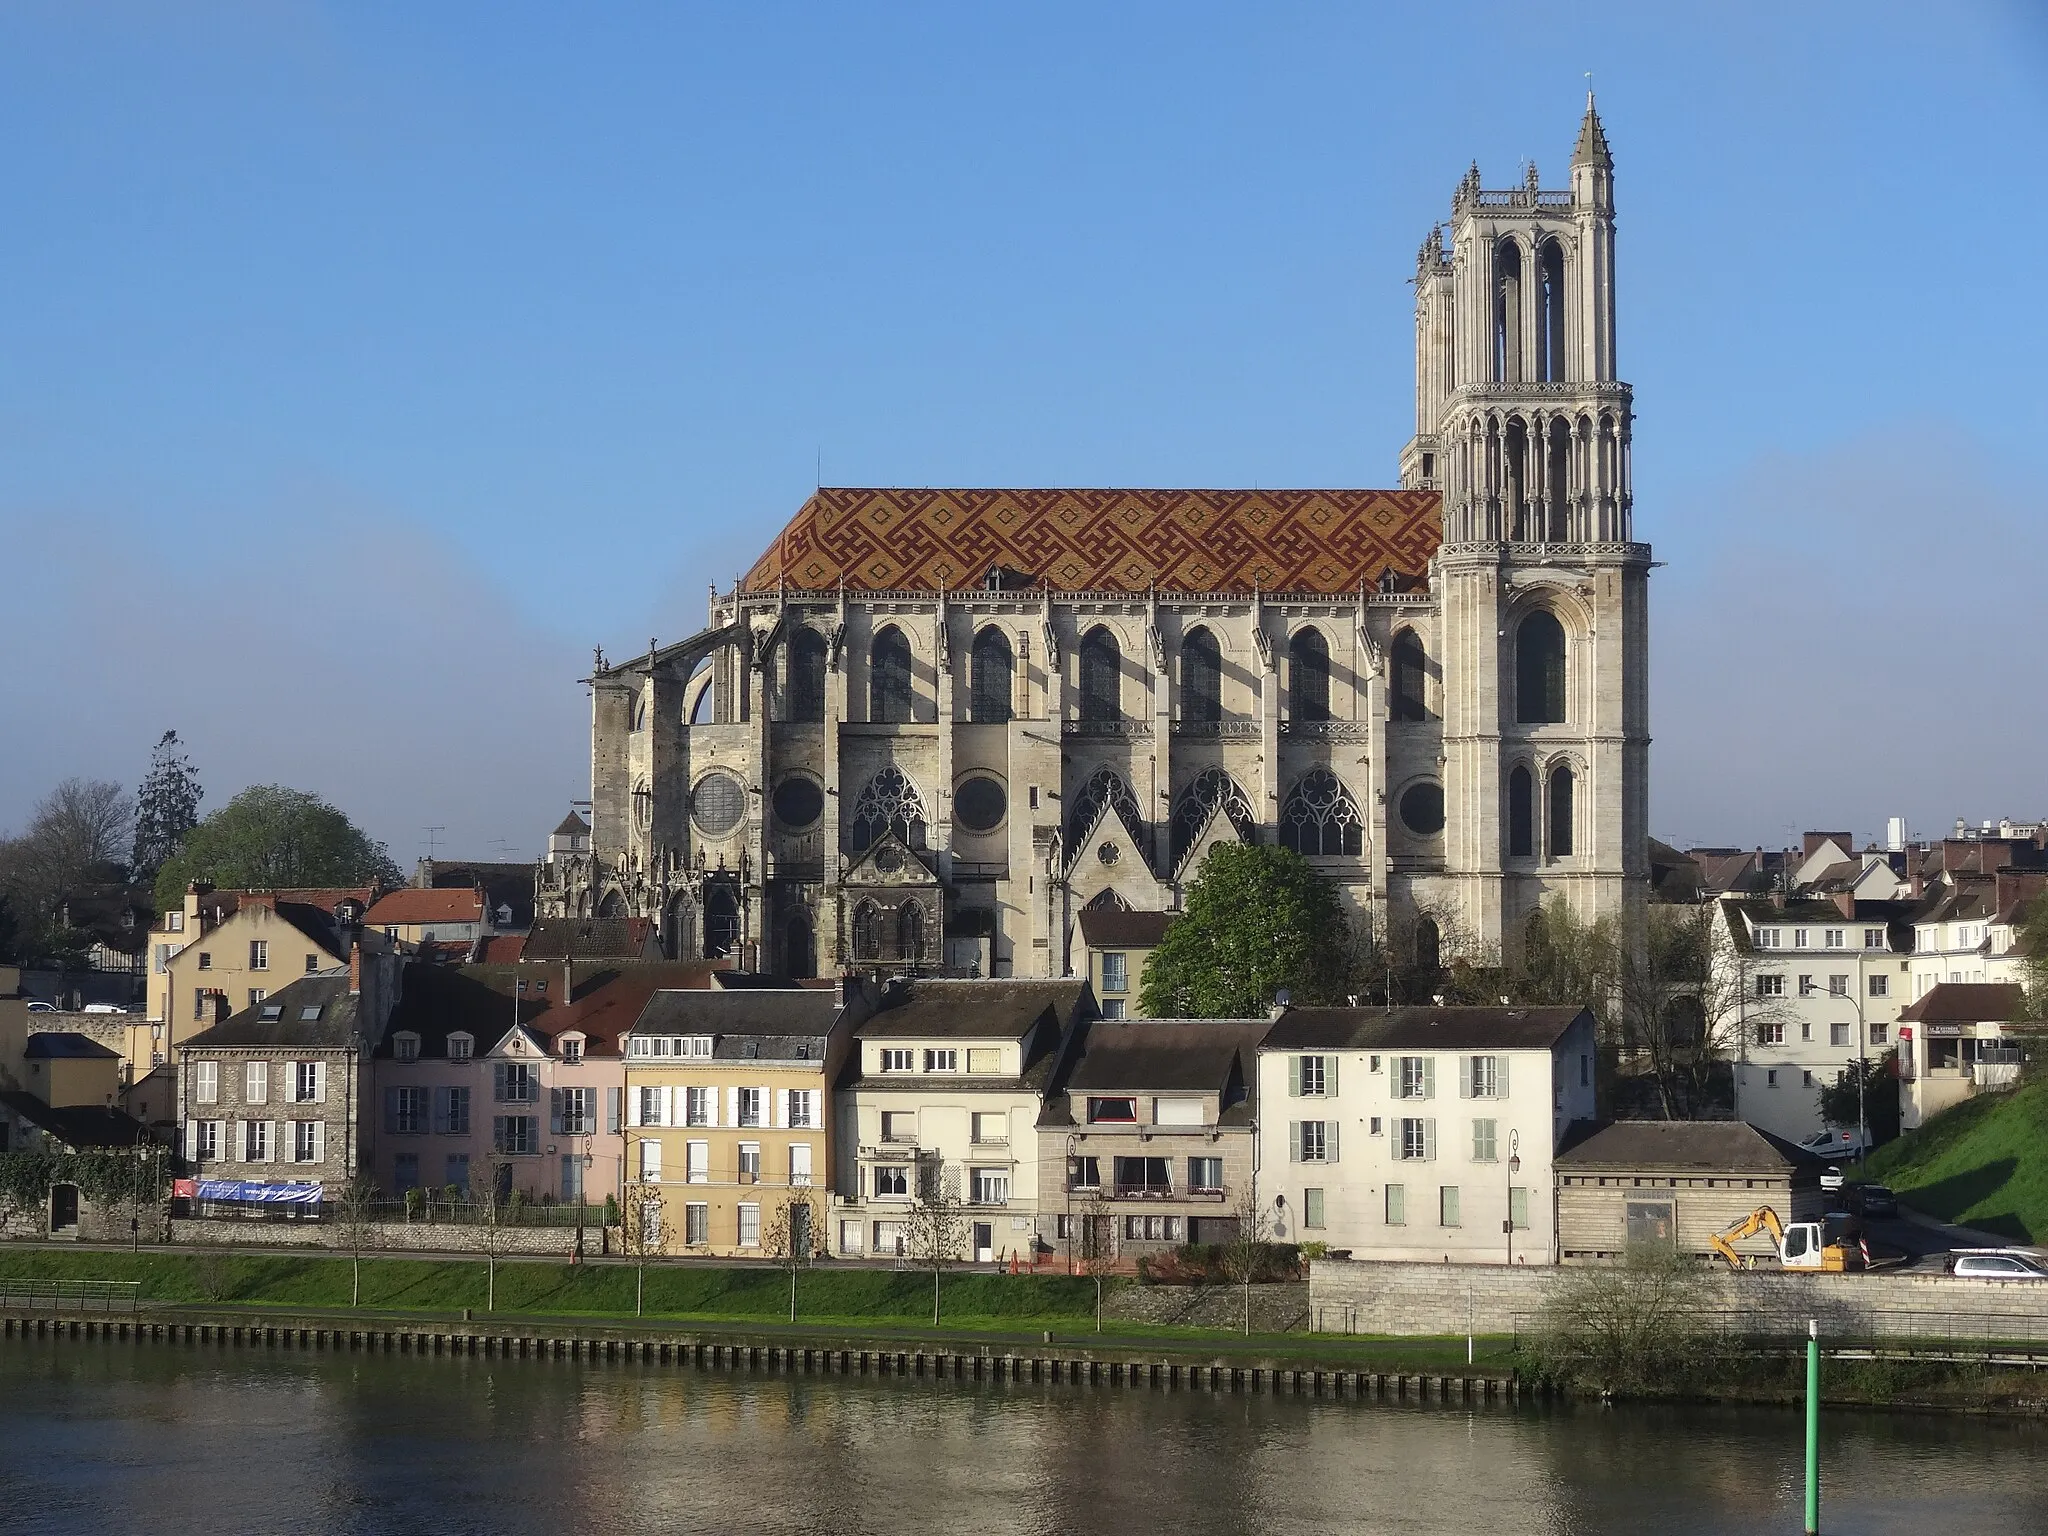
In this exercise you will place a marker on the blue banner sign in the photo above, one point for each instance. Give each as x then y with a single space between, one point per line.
259 1194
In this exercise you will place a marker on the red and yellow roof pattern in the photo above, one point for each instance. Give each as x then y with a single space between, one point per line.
1102 541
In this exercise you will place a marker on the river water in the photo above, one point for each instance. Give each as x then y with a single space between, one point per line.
118 1437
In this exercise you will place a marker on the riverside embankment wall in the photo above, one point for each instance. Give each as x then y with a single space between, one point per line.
1360 1296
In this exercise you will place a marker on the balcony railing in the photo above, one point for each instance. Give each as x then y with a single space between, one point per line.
1228 730
1110 728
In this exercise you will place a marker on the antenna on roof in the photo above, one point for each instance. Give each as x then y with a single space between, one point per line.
433 837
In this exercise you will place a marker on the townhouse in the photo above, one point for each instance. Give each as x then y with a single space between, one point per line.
1150 1139
728 1114
1421 1133
512 1074
944 1091
275 1100
1116 947
1822 983
1953 1043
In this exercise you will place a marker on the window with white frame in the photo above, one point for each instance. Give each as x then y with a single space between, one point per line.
750 1106
255 1141
1417 1077
1310 1077
800 1109
696 1224
514 1135
1770 1033
1799 938
1314 1141
991 1186
405 1046
255 1082
1770 984
1769 938
898 1060
572 1052
1873 938
460 1047
206 1082
1488 1077
652 1102
1838 1034
579 1111
515 1082
697 1104
750 1162
1838 986
206 1144
1485 1141
697 1162
1115 976
892 1181
1418 1140
306 1141
750 1226
799 1164
1833 938
650 1161
259 954
1878 1033
942 1061
408 1108
306 1084
1807 986
1205 1175
1880 986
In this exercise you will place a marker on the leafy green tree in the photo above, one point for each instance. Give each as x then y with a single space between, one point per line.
1257 919
75 838
1870 1097
272 838
166 806
2033 943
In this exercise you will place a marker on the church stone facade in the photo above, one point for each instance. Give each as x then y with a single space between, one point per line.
930 727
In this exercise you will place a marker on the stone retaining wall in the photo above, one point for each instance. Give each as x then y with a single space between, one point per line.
391 1237
1275 1308
1360 1296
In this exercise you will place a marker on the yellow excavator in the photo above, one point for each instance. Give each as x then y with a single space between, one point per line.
1805 1246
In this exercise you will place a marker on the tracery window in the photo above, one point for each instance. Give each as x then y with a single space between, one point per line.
1101 676
889 697
1201 678
889 803
1407 678
1539 670
1320 817
910 932
1212 788
807 675
1308 676
994 666
1105 786
867 931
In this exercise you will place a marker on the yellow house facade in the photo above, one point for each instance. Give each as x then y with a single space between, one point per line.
728 1107
1116 947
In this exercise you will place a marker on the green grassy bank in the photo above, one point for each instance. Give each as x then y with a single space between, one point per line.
1983 1163
852 1296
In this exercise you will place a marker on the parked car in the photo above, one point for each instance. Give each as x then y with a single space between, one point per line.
1999 1263
42 1007
1872 1200
104 1008
1832 1179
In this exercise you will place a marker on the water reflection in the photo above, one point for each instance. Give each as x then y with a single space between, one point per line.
105 1437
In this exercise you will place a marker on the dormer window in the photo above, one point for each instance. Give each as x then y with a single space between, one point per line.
405 1046
174 922
572 1051
460 1047
1112 1111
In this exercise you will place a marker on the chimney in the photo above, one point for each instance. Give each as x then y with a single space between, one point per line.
355 969
1845 902
1778 897
568 981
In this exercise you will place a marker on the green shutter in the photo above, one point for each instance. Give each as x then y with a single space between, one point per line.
1294 1141
1294 1077
1330 1079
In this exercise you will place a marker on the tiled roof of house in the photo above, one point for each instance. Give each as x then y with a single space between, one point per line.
413 905
1329 541
1107 928
1709 1145
1143 1055
315 1013
477 1000
1421 1028
1968 1002
63 1043
592 938
998 1009
79 1126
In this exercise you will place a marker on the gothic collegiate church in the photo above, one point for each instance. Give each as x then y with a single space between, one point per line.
929 728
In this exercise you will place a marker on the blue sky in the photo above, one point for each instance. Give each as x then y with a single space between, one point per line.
362 366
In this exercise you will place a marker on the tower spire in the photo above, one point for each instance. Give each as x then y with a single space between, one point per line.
1592 146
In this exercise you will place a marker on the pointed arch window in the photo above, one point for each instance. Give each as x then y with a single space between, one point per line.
1521 814
1320 817
889 803
1213 789
1561 796
721 920
1201 678
807 676
1550 312
1539 670
1507 313
867 931
995 668
910 932
1407 678
1107 900
1102 697
1308 676
800 947
1429 943
1105 787
889 696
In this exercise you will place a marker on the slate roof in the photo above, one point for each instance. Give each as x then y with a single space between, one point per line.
999 1009
1421 1028
1154 1055
1968 1002
756 1024
573 825
63 1044
1106 928
277 1021
1073 540
79 1126
592 938
1712 1146
477 1000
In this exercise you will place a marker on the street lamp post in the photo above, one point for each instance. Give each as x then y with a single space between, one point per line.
1514 1168
1073 1141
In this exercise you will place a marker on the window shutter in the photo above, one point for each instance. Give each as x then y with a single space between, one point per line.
732 1106
1294 1077
1500 1076
1294 1135
270 1140
1429 1140
319 1082
444 1105
554 1111
633 1107
778 1109
1330 1128
815 1098
319 1141
1465 1075
1330 1076
390 1111
498 1081
191 1141
1429 1077
614 1110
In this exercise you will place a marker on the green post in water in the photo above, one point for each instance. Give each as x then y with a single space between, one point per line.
1812 1428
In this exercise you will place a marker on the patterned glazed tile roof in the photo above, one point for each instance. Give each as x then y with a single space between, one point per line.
1103 540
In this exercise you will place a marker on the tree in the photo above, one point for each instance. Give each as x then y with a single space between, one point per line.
271 838
640 1230
483 1195
75 838
1257 919
2033 946
355 1221
1246 1256
936 1230
1632 1326
1865 1093
794 1235
166 806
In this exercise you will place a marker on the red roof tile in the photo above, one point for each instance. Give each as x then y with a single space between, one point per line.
413 905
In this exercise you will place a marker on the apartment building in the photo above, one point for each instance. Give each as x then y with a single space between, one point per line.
1149 1141
1822 985
275 1100
728 1113
945 1089
1953 1043
1116 947
1421 1133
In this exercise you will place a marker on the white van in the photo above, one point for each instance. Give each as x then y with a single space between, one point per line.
1834 1144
